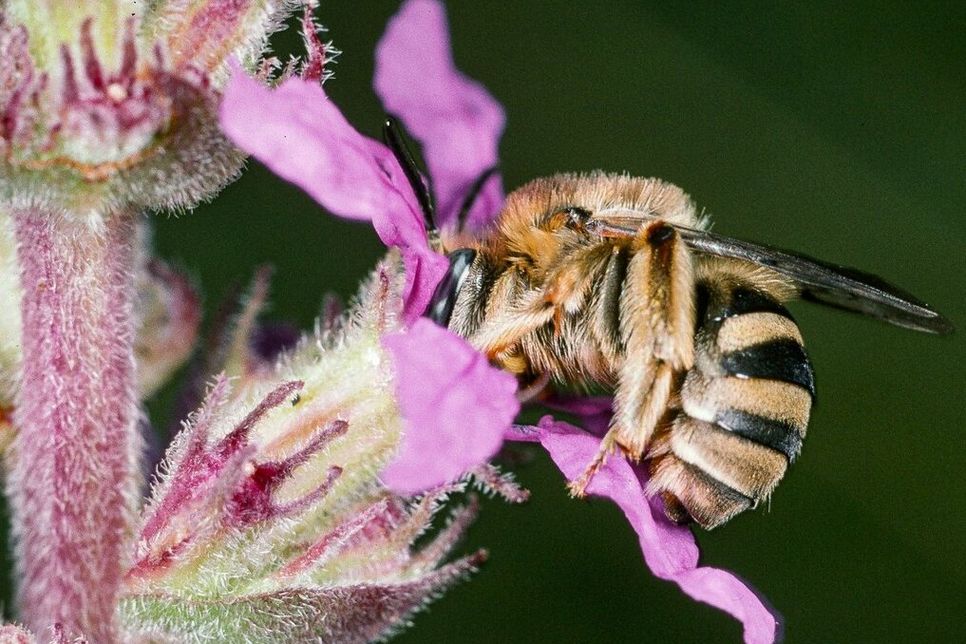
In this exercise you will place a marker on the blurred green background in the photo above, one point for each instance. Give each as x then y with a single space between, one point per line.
835 129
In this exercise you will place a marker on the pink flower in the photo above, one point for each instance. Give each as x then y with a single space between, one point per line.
455 118
304 138
443 384
471 398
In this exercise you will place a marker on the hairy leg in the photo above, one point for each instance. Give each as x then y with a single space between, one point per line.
657 329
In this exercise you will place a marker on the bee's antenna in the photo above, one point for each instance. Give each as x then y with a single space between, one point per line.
393 138
473 193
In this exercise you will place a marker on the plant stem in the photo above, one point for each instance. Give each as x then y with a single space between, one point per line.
71 479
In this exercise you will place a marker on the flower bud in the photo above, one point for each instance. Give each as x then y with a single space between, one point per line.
113 104
269 520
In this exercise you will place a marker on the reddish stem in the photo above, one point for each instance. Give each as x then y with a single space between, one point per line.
71 479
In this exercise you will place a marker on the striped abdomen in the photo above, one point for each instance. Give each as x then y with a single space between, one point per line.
743 408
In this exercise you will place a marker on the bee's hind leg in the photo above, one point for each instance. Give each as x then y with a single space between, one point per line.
657 331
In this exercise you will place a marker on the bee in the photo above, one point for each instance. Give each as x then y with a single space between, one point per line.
605 280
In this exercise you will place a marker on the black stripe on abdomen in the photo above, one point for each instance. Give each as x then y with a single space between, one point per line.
777 434
783 359
746 300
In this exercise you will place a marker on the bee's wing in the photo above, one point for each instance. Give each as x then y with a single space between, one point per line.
818 281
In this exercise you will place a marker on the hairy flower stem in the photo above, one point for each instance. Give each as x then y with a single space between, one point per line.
71 474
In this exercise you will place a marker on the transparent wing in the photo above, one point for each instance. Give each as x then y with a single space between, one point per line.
838 286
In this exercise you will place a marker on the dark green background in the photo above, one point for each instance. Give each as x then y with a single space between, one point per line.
837 131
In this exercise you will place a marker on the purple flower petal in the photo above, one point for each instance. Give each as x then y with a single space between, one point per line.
593 412
669 550
455 407
304 138
455 118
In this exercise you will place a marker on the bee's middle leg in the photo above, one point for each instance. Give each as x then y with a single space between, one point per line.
657 330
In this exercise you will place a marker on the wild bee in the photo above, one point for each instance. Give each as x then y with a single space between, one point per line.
613 281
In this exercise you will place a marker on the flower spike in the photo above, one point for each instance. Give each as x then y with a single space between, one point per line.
274 507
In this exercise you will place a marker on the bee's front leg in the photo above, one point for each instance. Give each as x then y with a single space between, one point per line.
564 291
657 330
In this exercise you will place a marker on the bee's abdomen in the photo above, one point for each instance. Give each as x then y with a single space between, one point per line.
743 409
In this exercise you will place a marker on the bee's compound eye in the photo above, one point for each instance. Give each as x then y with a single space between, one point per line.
444 298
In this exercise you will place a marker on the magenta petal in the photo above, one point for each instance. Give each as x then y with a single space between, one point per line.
455 118
302 136
669 550
424 270
455 407
593 412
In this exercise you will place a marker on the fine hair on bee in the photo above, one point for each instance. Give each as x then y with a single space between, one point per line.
610 281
